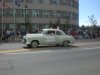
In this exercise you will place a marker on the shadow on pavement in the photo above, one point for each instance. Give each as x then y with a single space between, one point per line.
50 47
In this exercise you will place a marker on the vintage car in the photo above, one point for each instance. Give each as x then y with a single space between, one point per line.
48 37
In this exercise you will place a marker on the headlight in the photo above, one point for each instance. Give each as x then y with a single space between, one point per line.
24 37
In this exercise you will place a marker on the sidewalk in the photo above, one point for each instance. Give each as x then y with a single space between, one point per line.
11 46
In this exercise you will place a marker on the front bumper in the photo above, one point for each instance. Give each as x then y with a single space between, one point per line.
24 41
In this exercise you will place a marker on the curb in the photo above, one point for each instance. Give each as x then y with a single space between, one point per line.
13 51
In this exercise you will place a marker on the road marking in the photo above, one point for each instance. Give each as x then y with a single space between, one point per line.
86 43
29 52
35 52
92 48
12 51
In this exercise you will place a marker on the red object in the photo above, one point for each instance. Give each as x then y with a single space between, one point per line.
74 33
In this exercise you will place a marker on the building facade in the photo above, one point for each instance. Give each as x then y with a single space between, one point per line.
24 14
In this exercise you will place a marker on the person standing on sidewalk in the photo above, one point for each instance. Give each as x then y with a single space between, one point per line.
12 35
8 33
0 36
3 37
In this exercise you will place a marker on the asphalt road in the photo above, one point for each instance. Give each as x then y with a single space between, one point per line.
83 59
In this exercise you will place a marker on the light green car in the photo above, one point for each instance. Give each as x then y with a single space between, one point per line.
48 37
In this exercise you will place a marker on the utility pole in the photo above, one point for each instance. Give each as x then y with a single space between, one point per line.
2 18
25 15
14 15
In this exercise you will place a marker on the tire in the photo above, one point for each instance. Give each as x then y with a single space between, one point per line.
65 43
34 44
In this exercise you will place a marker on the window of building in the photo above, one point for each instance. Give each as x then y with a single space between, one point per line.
64 2
35 13
45 14
74 16
21 1
28 1
46 1
63 14
11 26
19 13
34 1
68 2
55 14
74 4
8 13
54 1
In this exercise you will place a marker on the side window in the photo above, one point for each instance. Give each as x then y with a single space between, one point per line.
50 33
59 33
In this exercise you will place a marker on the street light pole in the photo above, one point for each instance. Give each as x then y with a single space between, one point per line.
25 15
2 17
14 13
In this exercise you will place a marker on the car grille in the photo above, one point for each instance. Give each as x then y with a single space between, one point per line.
24 40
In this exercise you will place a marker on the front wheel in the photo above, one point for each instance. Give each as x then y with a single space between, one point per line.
65 43
34 44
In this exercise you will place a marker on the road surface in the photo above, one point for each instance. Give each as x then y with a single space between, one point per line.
83 59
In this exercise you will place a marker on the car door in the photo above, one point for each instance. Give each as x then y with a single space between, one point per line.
50 37
59 37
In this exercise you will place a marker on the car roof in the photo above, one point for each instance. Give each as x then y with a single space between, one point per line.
52 29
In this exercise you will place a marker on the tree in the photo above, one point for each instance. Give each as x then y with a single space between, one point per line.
93 22
83 27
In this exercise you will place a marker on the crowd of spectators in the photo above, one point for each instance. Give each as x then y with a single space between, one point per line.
10 36
14 36
84 34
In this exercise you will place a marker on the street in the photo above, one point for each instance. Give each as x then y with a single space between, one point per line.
83 58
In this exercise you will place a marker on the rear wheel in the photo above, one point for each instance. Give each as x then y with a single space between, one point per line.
65 43
34 44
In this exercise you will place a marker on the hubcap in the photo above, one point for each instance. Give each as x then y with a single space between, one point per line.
34 44
65 43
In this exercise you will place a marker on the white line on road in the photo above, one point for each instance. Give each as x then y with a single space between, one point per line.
60 50
50 51
30 52
92 48
86 43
